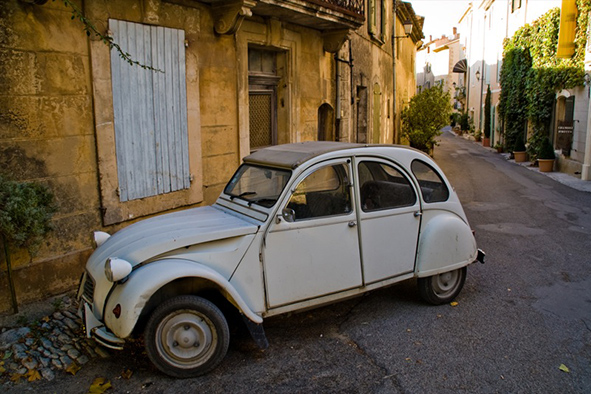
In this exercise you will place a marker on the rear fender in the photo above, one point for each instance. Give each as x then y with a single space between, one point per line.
446 243
142 283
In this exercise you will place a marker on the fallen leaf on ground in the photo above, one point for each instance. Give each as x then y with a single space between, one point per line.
564 368
99 386
127 374
453 303
33 375
46 319
73 368
16 377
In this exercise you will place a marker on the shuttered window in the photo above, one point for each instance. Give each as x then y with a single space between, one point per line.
150 110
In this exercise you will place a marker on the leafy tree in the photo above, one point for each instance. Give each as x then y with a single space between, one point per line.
424 116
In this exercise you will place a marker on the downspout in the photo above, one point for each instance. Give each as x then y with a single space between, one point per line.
338 108
337 131
395 136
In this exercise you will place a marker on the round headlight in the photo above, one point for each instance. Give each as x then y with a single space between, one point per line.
117 269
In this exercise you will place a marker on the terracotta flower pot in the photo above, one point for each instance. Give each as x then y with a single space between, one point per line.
546 165
520 156
486 142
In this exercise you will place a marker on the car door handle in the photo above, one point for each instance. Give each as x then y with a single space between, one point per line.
352 224
418 214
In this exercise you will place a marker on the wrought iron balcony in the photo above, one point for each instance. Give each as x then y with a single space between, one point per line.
317 14
323 15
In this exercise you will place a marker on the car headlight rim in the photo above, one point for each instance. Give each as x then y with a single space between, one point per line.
117 269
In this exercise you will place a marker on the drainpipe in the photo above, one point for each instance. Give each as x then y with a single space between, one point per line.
338 108
337 68
395 140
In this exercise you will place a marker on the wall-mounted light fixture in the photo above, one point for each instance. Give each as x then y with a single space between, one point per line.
407 29
478 75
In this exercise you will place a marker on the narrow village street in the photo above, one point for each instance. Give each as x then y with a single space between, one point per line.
521 324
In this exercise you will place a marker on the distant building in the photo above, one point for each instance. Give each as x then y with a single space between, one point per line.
438 62
483 27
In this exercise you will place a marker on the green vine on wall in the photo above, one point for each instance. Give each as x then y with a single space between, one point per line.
91 29
531 73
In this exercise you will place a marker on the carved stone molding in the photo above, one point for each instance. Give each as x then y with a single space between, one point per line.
229 15
334 39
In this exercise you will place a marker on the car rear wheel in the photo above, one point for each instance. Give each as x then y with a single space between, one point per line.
187 336
442 288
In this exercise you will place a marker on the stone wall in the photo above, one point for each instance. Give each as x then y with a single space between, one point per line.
56 117
46 135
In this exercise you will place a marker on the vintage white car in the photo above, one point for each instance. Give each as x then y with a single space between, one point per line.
297 226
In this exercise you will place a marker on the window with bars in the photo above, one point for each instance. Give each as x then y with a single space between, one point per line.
262 98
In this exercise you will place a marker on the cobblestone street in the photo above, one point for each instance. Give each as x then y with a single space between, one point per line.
38 349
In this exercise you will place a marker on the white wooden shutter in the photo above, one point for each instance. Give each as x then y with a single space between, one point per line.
150 110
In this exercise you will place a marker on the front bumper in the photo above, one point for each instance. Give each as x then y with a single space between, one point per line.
94 327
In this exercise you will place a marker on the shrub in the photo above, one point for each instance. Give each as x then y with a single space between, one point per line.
546 150
426 114
519 144
25 213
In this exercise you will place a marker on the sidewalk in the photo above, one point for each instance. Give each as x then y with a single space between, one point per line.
565 179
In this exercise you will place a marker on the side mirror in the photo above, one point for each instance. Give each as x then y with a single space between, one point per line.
288 214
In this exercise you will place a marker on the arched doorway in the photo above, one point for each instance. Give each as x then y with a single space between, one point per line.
326 123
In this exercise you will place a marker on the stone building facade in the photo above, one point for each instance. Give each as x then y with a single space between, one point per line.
117 142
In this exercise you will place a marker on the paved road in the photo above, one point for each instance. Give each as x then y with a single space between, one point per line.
520 316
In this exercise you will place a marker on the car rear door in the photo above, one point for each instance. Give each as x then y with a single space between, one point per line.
389 219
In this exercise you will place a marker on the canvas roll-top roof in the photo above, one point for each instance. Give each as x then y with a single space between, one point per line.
292 155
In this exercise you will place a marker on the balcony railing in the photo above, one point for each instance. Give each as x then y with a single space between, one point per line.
356 7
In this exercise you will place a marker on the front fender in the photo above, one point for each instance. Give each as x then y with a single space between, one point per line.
145 281
446 243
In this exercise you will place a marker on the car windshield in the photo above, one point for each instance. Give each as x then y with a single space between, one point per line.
257 185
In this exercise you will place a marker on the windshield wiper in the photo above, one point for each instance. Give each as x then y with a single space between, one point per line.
241 195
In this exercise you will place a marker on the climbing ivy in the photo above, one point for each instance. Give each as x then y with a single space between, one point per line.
531 73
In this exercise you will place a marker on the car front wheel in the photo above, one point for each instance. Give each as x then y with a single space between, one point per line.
187 336
442 288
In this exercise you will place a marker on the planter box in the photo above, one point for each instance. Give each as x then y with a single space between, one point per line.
520 157
546 165
486 142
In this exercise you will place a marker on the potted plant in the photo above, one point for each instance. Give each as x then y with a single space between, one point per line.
499 147
519 152
546 156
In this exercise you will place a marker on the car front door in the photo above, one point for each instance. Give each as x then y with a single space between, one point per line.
312 250
390 213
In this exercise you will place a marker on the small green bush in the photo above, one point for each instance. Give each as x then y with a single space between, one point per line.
25 213
546 150
519 144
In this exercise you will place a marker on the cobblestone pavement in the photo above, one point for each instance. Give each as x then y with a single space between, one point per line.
54 343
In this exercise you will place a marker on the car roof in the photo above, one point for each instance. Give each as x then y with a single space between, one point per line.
292 155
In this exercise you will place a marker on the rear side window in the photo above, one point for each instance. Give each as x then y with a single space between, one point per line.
432 186
383 187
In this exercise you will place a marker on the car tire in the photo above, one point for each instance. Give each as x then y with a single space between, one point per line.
186 336
442 288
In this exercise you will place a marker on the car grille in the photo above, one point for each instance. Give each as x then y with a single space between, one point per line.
88 288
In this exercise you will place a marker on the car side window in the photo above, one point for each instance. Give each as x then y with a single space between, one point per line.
383 187
325 192
433 187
